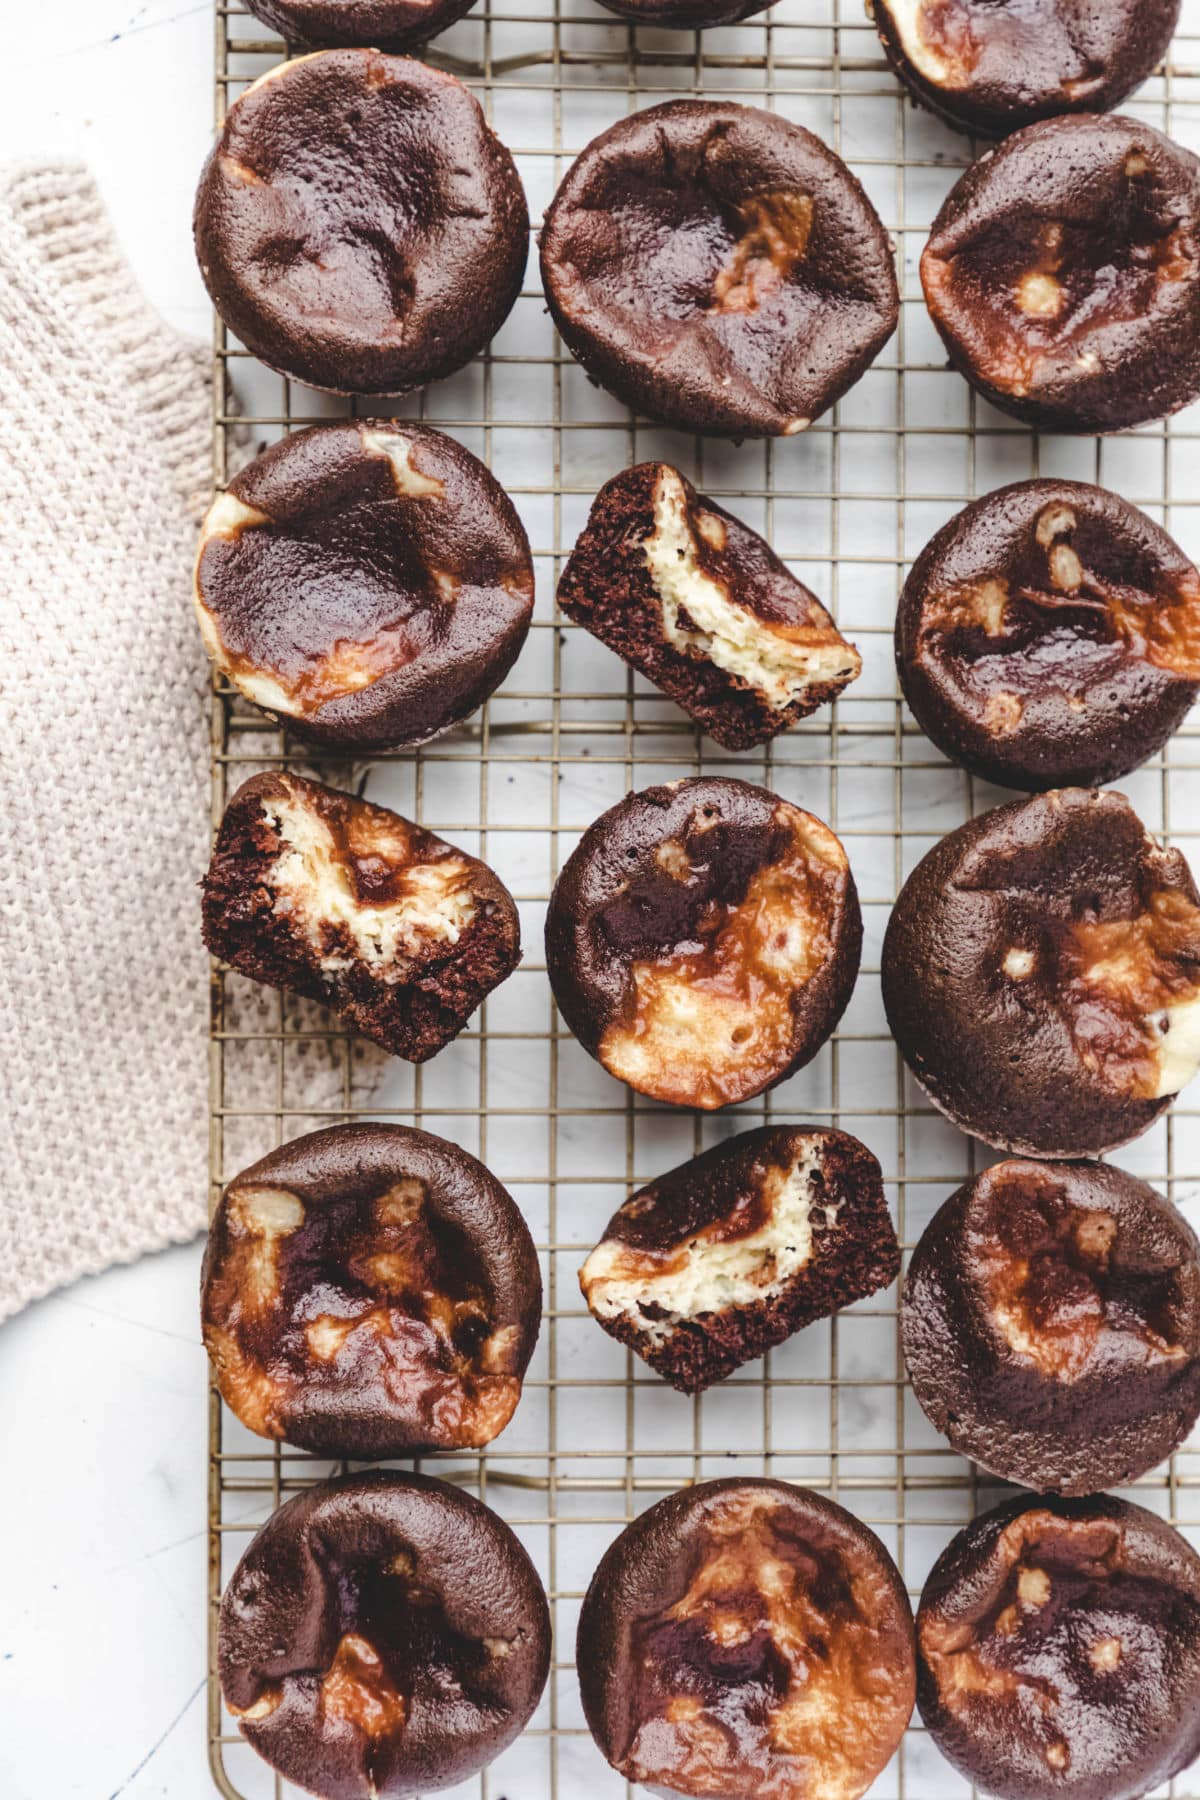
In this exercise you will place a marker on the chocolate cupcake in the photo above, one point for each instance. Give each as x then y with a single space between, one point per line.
747 1639
346 24
717 1261
321 894
702 606
703 940
718 268
358 225
1058 1646
686 15
369 1291
383 1635
368 582
1041 975
990 69
1049 636
1064 277
1051 1322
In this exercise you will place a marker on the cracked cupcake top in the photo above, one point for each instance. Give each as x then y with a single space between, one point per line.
368 582
703 940
1051 1323
718 268
383 1635
387 24
1041 974
1063 273
1059 1650
370 1290
1049 635
747 1639
990 69
358 225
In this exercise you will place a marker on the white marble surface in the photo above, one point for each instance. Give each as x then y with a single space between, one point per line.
102 1388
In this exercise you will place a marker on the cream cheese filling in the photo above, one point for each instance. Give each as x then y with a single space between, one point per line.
1178 1047
313 888
934 64
228 517
410 481
728 635
711 1276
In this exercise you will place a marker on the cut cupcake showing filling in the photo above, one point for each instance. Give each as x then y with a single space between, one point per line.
325 895
701 605
720 1259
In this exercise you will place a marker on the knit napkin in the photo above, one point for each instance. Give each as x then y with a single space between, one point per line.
105 433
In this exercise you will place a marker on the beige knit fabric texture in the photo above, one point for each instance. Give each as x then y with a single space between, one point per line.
104 803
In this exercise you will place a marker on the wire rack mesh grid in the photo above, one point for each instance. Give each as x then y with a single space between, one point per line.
597 1437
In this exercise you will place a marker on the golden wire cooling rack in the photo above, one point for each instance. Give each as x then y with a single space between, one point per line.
596 1436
